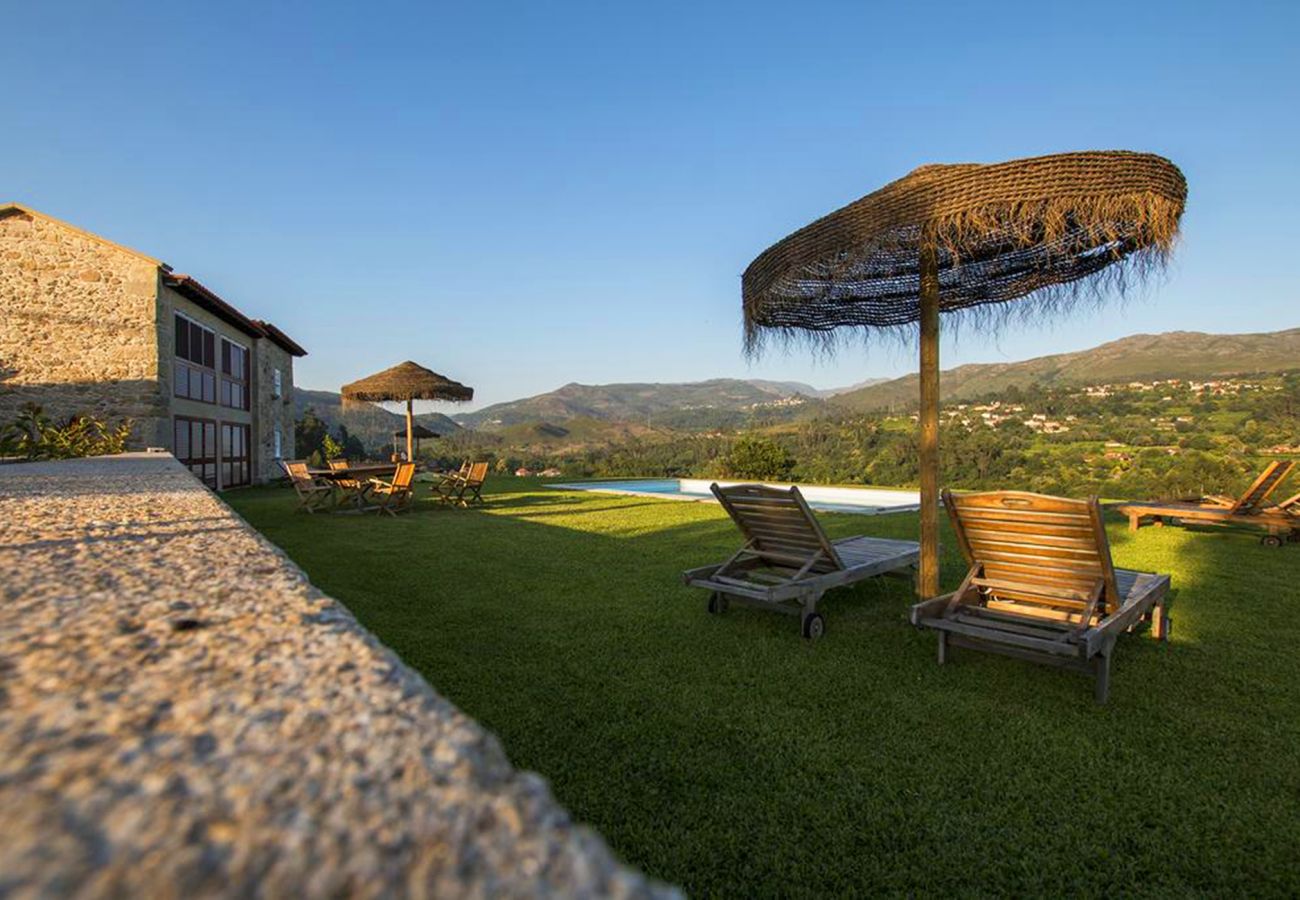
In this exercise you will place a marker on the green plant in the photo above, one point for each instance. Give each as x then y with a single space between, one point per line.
34 436
330 448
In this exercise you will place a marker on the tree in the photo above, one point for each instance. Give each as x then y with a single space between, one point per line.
351 445
758 457
309 433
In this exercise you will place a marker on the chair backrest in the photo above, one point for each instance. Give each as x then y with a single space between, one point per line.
1034 549
339 465
1265 484
1291 505
297 472
404 474
477 473
778 525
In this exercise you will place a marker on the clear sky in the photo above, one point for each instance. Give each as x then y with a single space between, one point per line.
523 195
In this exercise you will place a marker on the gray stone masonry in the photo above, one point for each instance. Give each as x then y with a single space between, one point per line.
183 715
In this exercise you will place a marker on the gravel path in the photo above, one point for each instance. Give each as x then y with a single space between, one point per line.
182 713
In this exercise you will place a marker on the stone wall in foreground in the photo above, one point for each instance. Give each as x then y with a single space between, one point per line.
182 713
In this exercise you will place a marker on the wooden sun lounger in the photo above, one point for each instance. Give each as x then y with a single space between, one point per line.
787 562
1041 585
1250 509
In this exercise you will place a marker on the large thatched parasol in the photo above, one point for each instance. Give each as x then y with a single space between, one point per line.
406 381
952 238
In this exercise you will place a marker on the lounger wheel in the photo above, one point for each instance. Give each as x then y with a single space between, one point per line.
814 626
1271 540
717 603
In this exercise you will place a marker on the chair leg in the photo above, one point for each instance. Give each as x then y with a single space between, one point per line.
1101 674
1160 622
943 647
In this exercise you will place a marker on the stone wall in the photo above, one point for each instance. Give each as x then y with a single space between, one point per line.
273 412
182 714
77 326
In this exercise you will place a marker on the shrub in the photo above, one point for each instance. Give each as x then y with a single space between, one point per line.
34 436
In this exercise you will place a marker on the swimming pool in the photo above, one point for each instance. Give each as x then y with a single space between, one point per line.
864 501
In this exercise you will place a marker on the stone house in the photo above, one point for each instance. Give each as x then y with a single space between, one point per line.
89 327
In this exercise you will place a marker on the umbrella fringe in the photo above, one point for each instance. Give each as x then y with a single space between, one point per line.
1058 231
1118 282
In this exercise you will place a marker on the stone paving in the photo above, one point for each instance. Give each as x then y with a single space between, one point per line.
182 713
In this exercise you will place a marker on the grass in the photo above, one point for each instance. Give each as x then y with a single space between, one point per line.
728 756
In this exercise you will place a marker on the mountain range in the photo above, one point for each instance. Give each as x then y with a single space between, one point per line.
645 403
1173 354
614 411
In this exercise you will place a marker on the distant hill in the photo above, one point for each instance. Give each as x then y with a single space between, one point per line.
1174 354
698 404
374 425
848 389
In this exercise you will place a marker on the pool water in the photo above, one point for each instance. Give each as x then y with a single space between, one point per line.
864 501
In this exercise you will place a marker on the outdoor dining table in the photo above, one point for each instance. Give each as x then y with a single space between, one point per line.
355 497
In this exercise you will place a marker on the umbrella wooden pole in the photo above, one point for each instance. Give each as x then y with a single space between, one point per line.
410 430
927 584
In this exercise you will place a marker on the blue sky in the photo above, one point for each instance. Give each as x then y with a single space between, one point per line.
522 195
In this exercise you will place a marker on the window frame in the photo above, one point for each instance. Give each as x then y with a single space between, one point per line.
188 371
228 379
208 466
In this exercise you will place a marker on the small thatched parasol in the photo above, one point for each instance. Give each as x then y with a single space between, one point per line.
406 381
419 432
954 238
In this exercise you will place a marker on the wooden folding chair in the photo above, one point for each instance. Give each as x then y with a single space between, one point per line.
393 496
313 493
467 490
451 480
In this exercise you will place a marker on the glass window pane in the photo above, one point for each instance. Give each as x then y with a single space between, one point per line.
181 378
209 349
181 442
196 343
182 338
225 356
210 441
209 388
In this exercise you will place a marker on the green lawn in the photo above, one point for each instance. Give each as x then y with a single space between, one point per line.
728 756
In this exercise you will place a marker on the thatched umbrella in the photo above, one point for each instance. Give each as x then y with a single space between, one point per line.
952 238
406 381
